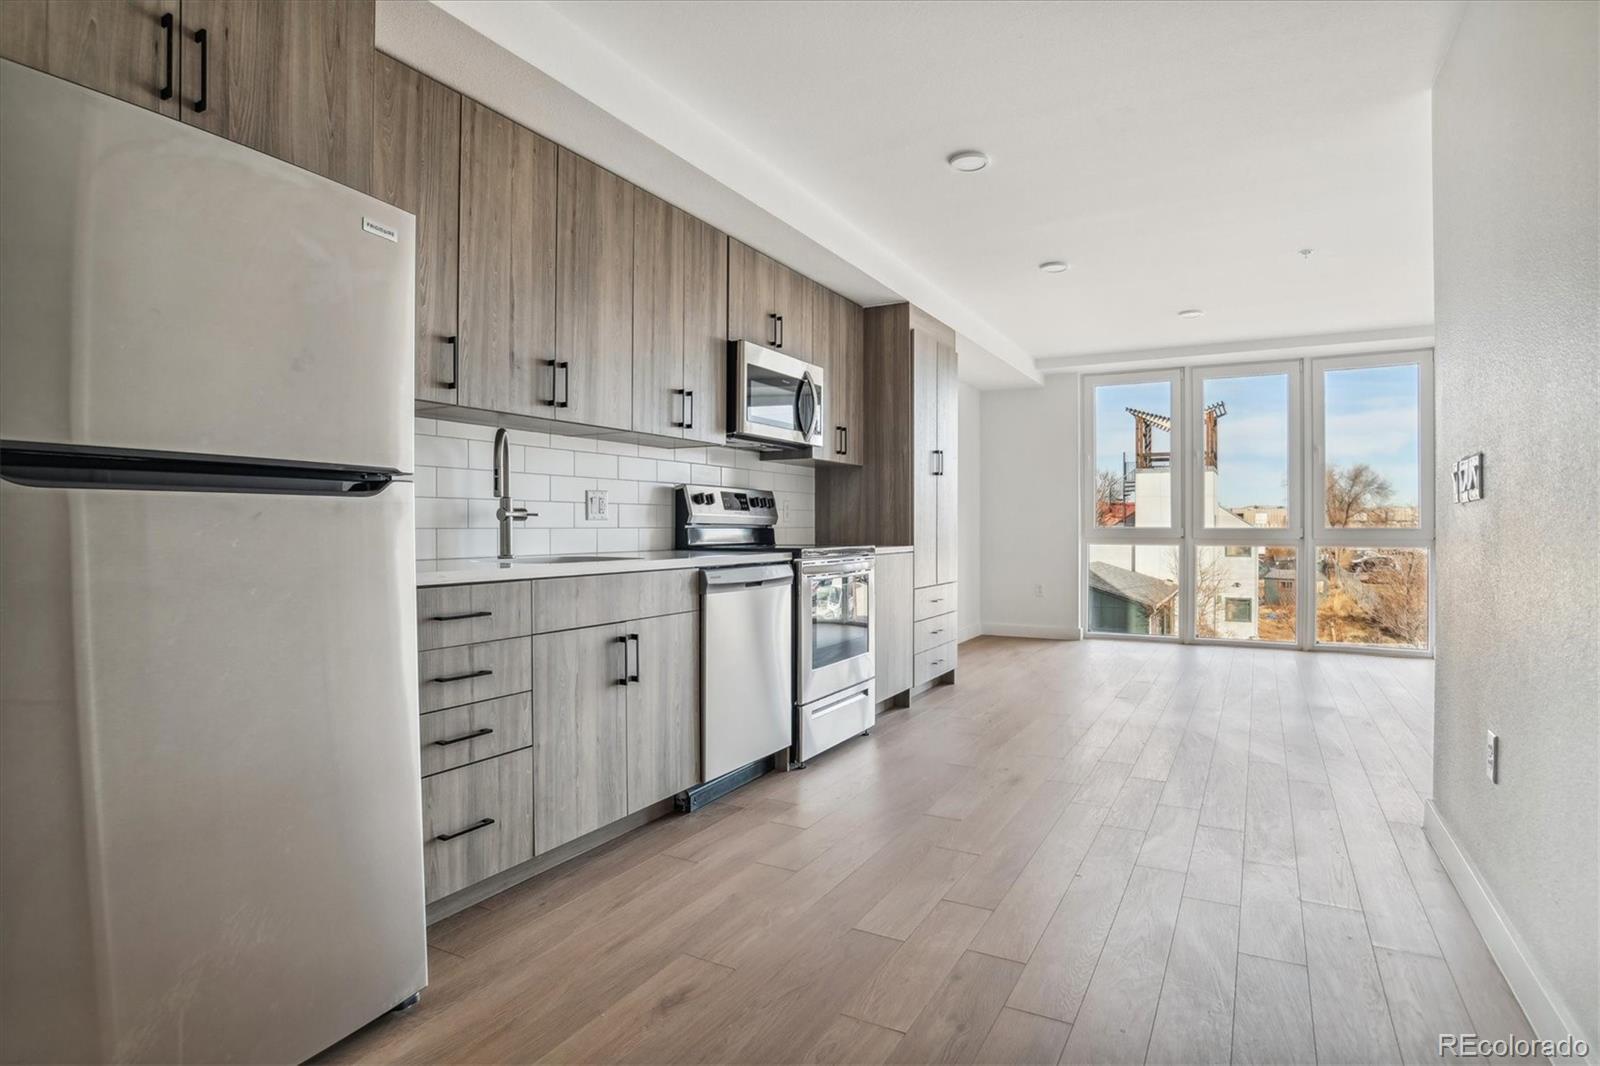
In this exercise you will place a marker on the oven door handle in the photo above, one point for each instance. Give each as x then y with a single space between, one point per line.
830 567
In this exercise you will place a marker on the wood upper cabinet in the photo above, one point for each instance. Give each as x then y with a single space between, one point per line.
119 47
507 319
294 80
594 294
839 335
705 331
416 165
580 733
660 262
768 303
664 709
948 415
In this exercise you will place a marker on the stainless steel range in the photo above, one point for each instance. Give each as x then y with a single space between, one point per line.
833 649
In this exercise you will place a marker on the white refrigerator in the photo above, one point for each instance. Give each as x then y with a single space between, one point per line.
210 823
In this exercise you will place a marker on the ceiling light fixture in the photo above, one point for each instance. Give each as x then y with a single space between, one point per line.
1054 266
968 161
1305 253
1190 312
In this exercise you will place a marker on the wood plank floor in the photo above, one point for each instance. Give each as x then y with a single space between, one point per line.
1085 852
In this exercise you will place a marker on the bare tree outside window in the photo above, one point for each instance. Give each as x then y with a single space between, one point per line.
1357 495
1107 499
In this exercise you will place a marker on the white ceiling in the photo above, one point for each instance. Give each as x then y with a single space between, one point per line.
1177 154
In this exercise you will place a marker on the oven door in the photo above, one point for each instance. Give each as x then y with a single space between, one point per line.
776 398
835 644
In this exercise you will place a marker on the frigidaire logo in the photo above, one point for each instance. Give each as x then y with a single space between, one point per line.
379 229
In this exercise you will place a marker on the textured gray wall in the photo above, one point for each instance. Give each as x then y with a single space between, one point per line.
1518 358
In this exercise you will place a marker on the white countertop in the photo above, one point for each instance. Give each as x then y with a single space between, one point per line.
432 572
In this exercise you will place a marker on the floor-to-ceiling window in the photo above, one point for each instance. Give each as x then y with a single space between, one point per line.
1276 503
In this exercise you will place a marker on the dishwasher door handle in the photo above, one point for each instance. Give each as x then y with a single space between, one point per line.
742 577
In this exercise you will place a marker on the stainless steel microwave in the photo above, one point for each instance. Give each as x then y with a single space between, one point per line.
775 400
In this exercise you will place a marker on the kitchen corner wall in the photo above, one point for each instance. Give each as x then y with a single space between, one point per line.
969 512
550 474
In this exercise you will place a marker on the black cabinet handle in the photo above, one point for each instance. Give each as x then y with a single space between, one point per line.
167 24
474 735
566 383
780 331
205 54
846 439
461 677
554 372
773 315
455 363
688 410
460 617
683 406
633 674
482 823
623 680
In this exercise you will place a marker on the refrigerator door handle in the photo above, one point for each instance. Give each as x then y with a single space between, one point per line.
71 466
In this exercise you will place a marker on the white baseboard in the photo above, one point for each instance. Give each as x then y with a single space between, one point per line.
1009 629
1549 1016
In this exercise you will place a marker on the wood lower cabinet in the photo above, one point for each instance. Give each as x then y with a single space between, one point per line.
449 677
118 47
471 733
507 332
580 733
476 822
594 295
892 626
416 165
294 80
664 709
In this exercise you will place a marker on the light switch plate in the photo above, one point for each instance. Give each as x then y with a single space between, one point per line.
594 505
1491 758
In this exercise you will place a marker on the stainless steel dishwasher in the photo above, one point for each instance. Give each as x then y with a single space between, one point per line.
746 666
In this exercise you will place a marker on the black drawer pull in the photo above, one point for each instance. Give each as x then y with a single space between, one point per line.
205 53
461 677
482 823
166 24
474 735
461 617
455 363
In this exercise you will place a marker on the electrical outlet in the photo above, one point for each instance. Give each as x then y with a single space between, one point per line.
1491 758
594 505
1038 592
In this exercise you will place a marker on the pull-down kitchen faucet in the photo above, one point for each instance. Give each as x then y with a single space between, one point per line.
506 514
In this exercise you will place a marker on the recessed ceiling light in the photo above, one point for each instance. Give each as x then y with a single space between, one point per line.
1054 266
1190 312
968 161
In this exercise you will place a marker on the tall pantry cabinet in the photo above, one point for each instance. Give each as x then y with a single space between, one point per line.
905 491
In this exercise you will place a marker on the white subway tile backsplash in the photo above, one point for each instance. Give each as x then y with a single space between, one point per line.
551 473
547 461
593 464
634 469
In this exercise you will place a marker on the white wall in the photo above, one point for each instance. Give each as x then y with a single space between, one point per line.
1518 347
1029 472
969 513
455 483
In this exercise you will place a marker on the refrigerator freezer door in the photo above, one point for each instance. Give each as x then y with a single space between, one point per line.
211 848
165 289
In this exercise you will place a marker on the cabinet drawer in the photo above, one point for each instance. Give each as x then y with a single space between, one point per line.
450 677
476 821
577 602
477 731
471 614
932 632
933 662
934 599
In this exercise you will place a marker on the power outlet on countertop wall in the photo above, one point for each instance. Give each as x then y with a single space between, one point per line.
594 505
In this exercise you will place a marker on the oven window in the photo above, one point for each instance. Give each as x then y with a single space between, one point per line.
840 618
769 398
